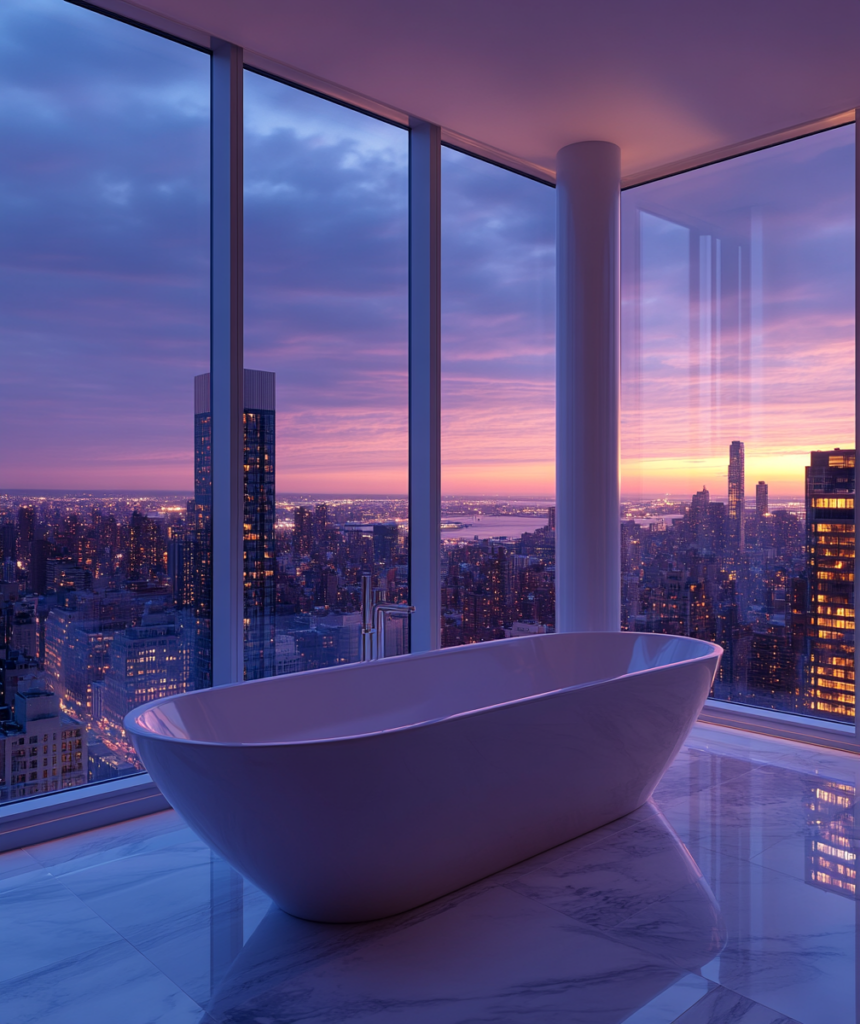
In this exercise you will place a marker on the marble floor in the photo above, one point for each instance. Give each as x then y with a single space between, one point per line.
727 900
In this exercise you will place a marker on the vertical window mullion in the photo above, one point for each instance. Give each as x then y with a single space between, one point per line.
425 495
227 359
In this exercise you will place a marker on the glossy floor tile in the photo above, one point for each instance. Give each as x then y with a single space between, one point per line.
729 899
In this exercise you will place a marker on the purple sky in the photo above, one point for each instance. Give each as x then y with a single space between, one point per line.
326 303
326 279
105 276
104 249
498 331
104 288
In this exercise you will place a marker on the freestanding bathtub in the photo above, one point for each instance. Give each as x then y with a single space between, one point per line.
360 791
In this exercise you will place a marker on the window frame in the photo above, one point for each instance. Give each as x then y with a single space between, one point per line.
748 718
39 818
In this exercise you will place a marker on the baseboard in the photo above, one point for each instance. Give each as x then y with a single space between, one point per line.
780 726
55 815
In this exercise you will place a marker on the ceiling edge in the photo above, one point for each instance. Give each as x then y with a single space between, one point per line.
179 30
714 156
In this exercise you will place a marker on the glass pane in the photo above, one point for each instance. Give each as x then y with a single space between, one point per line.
326 346
498 402
104 321
738 419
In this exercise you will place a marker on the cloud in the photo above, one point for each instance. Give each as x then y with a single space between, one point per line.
327 301
105 276
104 271
104 256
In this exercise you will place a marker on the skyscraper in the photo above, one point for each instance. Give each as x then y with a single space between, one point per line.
698 516
26 532
259 525
8 541
200 523
303 530
761 503
735 523
829 668
384 542
259 540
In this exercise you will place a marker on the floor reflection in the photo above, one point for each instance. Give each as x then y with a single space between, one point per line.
731 898
831 854
226 921
777 843
534 941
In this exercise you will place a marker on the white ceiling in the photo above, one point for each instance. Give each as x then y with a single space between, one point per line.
664 79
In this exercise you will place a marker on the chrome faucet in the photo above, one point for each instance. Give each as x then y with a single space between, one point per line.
374 608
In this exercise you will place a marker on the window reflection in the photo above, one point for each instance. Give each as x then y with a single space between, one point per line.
738 419
831 855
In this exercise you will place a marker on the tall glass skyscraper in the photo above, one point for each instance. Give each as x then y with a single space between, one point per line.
200 518
259 525
829 668
761 499
736 495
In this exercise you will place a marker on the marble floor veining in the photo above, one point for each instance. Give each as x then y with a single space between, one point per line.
729 899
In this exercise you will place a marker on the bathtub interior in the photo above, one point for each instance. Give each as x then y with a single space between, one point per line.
353 700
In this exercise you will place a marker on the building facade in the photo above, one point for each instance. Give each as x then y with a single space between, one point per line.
147 662
829 662
259 526
42 749
736 496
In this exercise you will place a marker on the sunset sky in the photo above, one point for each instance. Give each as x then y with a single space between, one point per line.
104 289
779 376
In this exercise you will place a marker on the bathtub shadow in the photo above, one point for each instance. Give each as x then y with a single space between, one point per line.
522 944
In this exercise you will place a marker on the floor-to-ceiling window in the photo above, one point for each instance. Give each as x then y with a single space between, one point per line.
104 322
498 402
738 396
326 396
738 449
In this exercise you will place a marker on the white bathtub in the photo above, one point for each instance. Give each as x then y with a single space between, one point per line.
356 792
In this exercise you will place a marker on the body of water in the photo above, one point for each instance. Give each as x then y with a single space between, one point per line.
484 527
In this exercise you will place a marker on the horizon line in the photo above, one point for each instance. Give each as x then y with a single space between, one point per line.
57 492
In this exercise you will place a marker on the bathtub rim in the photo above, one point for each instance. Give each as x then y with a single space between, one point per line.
132 727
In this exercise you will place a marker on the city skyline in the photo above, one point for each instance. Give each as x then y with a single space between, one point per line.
772 585
105 601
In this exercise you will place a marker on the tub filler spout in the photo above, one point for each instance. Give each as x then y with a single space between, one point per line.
374 608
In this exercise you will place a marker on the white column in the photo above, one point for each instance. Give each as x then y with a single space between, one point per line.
425 463
226 365
588 540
